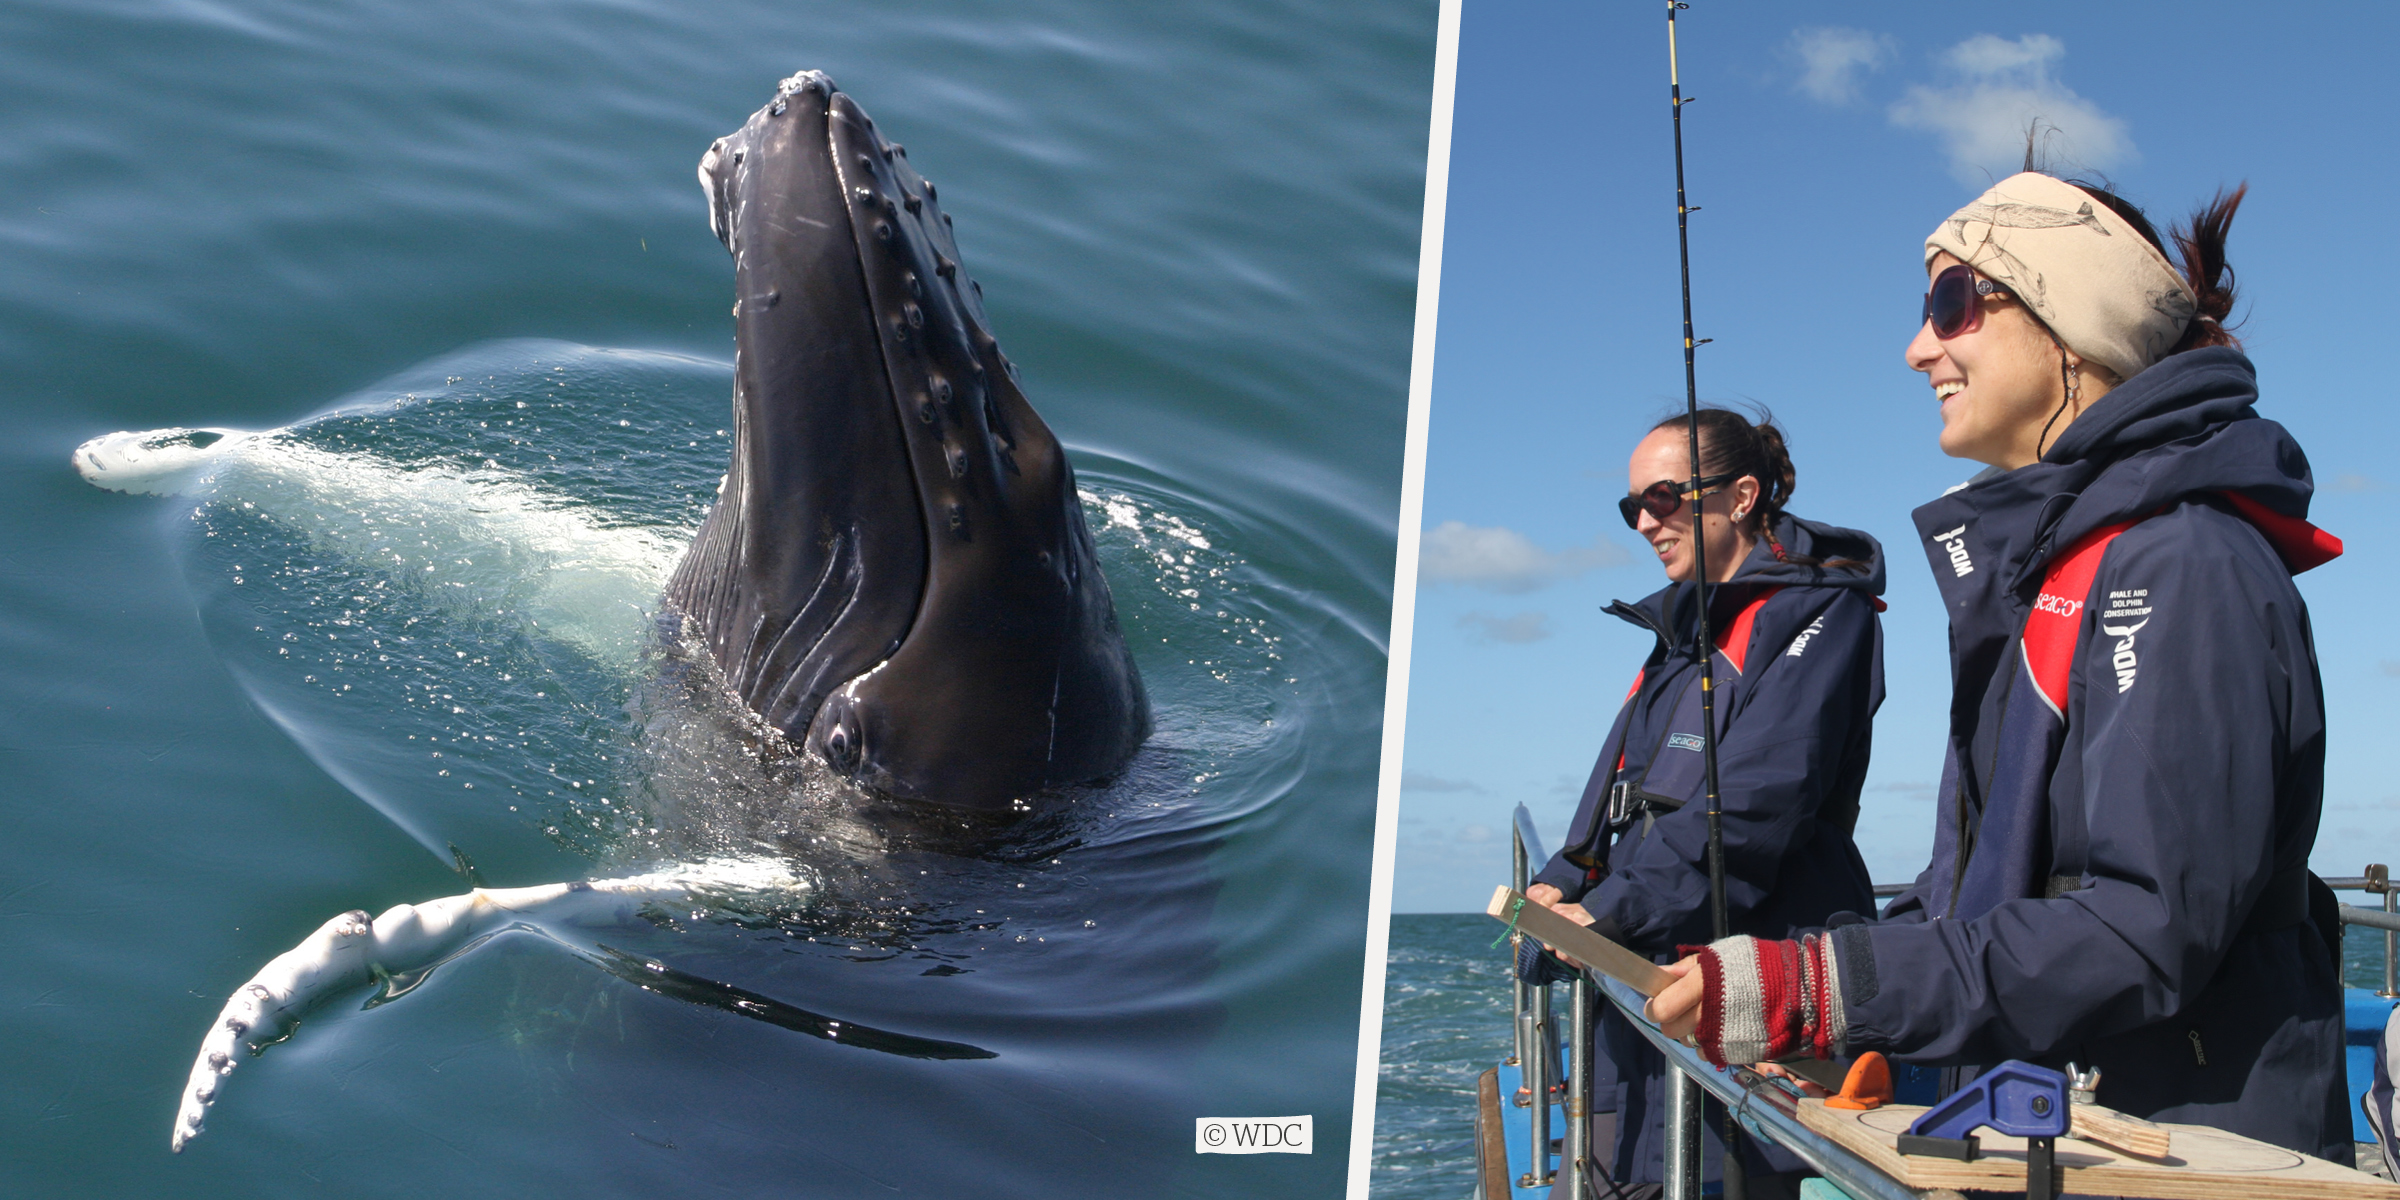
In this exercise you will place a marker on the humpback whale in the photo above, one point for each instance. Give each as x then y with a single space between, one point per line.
895 574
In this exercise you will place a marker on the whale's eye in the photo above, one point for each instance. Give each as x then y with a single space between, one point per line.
841 748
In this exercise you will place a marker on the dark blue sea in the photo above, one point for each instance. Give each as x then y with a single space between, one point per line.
449 262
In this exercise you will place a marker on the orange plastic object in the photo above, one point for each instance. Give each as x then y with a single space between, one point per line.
1869 1084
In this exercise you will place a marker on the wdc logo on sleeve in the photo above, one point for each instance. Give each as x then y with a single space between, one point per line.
1954 543
2122 607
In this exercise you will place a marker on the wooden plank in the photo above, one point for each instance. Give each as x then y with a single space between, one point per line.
1578 943
1491 1141
2110 1127
2209 1164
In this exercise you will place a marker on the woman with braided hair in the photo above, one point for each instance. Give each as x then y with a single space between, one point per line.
1798 673
2137 737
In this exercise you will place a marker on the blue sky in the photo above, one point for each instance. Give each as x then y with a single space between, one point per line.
1825 142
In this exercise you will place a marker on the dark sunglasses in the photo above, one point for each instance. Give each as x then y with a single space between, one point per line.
1665 498
1952 304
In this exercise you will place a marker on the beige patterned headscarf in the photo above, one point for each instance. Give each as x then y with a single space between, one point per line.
2096 282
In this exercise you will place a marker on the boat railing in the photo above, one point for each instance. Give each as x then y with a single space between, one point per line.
1768 1108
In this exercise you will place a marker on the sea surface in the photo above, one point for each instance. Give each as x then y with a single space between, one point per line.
438 277
1446 1021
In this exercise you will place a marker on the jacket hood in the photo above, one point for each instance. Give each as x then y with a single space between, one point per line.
1822 542
1801 539
2185 427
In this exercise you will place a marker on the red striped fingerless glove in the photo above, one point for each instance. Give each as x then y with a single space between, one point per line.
1765 1000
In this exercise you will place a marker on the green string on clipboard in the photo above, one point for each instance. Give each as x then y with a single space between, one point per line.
1514 912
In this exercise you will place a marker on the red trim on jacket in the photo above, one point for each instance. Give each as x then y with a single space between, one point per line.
2303 546
1734 640
2057 616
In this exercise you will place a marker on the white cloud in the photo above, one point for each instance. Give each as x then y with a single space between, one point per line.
1516 629
1832 61
1997 89
1504 560
2356 483
1419 781
1917 790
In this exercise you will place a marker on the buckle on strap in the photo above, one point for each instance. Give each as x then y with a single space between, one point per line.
1627 801
1621 804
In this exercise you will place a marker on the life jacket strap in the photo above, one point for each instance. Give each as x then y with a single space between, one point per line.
2283 905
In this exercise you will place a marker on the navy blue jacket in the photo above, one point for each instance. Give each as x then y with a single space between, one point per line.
1793 721
2116 882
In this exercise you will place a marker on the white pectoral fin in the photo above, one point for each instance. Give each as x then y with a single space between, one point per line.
344 953
336 955
351 951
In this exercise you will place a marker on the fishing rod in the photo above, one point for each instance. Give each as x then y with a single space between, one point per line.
1691 408
1735 1184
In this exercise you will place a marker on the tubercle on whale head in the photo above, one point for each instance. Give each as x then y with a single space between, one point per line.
898 573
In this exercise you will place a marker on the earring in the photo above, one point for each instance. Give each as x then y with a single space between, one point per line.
1739 513
2074 381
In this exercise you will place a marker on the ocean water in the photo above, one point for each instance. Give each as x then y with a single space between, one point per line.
438 281
1446 1021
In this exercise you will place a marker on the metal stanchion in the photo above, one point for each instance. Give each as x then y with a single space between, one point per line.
1577 1159
1683 1135
1534 1062
2391 940
1516 946
1538 1078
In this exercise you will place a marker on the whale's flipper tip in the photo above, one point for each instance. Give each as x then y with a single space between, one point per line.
155 462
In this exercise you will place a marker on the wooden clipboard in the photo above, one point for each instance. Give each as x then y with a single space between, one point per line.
1578 942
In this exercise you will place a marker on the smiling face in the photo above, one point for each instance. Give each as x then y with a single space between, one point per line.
1663 455
1998 384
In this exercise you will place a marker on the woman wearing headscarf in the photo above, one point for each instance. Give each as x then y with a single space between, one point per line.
1798 674
2137 736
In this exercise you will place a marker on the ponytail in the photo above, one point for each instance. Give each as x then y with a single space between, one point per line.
1731 444
2201 245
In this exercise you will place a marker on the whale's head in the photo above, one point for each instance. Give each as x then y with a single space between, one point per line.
896 572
